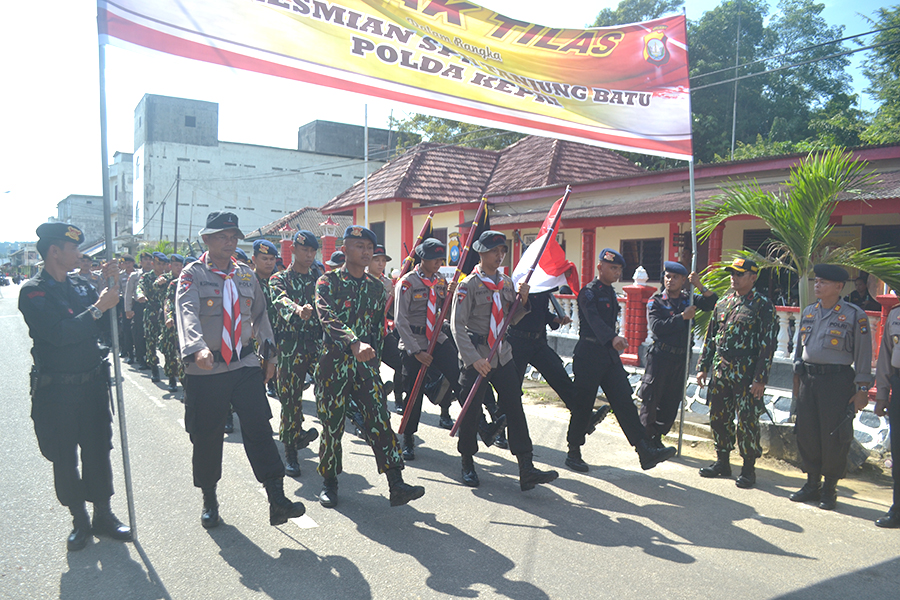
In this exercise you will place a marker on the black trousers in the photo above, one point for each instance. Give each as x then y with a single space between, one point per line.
823 408
509 402
599 366
662 390
206 402
137 332
126 340
542 357
391 356
69 417
445 360
894 417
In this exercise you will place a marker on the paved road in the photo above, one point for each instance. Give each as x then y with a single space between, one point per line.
614 532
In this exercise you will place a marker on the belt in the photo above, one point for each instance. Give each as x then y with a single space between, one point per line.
477 339
526 335
592 340
730 355
418 330
217 355
814 369
669 348
45 379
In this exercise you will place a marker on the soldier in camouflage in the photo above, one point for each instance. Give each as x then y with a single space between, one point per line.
740 342
168 340
152 299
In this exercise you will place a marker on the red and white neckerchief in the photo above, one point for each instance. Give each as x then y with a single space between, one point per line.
496 306
431 307
231 311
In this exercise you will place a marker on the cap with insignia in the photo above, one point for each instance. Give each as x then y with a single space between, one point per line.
306 238
60 231
241 255
160 257
742 265
611 256
430 249
380 251
489 240
218 221
359 232
336 260
264 247
831 273
176 258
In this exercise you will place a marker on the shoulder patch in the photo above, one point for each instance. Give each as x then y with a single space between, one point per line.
461 291
187 280
36 294
404 285
588 294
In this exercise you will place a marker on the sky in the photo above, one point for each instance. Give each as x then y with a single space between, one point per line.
50 116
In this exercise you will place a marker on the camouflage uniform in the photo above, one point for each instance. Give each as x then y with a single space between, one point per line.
152 312
299 342
740 342
351 310
168 337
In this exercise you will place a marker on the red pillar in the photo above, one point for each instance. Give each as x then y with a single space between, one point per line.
328 247
636 319
588 256
287 252
715 245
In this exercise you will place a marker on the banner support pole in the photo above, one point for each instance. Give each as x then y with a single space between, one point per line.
687 359
366 161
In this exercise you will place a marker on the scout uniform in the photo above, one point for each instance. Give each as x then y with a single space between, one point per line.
887 378
830 341
168 339
662 385
480 305
207 300
70 390
740 341
299 342
152 314
351 310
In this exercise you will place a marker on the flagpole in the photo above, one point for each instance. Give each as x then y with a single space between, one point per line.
366 161
687 359
551 233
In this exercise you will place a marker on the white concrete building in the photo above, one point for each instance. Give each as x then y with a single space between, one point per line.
86 213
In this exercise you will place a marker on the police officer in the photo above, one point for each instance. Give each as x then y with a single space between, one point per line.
861 296
350 304
70 381
151 297
596 364
482 301
218 304
887 401
299 338
390 353
134 310
126 340
668 319
739 344
833 336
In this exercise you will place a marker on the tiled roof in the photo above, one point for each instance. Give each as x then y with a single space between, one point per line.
307 218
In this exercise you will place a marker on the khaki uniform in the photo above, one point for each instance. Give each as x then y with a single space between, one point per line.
472 315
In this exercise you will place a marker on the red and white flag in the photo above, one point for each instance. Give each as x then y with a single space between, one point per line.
553 270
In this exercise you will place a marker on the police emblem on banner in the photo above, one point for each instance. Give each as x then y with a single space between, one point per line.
655 49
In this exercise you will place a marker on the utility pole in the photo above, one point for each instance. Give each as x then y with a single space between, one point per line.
737 45
177 184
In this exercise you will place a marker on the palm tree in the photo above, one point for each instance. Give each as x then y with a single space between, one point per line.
798 219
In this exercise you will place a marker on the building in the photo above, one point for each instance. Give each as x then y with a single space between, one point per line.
121 173
86 212
25 259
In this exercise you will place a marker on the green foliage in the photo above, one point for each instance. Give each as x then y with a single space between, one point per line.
419 128
635 11
165 246
883 71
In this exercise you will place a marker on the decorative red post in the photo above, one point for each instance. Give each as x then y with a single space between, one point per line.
635 319
329 238
715 244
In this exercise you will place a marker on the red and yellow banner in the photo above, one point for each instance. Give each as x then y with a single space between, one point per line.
622 87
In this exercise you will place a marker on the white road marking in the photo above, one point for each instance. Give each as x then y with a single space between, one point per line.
157 402
181 422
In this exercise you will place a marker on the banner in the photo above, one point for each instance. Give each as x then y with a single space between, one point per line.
623 87
553 270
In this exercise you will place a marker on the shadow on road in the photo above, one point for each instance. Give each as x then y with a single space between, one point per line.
879 581
105 569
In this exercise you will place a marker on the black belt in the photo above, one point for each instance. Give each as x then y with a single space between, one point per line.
418 330
217 355
730 355
669 348
477 339
814 369
526 335
45 379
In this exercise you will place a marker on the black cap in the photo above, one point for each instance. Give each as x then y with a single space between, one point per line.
360 232
336 260
306 238
380 251
264 247
431 248
221 221
831 273
611 256
671 266
742 265
489 240
60 231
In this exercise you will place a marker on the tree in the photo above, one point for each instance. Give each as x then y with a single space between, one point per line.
883 71
418 128
798 220
635 11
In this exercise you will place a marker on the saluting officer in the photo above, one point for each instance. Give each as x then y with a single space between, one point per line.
419 297
597 364
739 344
482 300
151 297
833 336
668 319
887 401
219 306
350 304
299 337
70 381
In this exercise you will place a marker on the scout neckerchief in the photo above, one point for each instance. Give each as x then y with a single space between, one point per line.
231 309
496 306
431 307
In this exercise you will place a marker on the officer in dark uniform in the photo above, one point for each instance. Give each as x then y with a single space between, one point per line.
833 335
861 296
70 381
596 363
668 319
390 352
887 401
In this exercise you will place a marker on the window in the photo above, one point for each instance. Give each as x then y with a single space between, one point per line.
190 121
378 230
642 253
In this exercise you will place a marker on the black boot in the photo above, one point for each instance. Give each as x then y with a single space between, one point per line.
280 508
829 494
306 438
720 468
811 490
81 528
409 447
501 441
328 497
402 492
445 422
399 403
529 475
229 422
209 518
490 432
656 442
154 373
890 520
596 418
747 478
650 456
291 464
173 384
105 523
574 460
469 476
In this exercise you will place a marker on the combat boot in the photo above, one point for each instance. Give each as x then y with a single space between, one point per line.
81 528
409 447
596 418
173 384
229 422
209 518
280 508
154 373
650 456
469 476
810 492
306 438
747 478
105 523
529 475
829 494
890 520
574 460
720 468
490 432
291 464
328 497
402 492
501 441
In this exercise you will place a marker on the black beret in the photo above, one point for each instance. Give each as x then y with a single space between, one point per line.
430 249
306 238
831 273
60 231
611 256
671 266
360 232
489 240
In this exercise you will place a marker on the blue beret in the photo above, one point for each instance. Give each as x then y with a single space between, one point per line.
489 240
160 256
431 248
264 247
611 256
189 259
241 255
360 232
176 258
60 231
831 273
306 238
671 266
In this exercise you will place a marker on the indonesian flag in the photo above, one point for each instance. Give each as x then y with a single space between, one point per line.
552 270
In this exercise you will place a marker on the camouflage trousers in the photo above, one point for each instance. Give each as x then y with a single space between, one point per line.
292 370
339 383
729 396
168 345
152 331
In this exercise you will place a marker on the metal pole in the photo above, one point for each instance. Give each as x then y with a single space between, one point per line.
366 155
114 331
177 185
687 354
737 45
